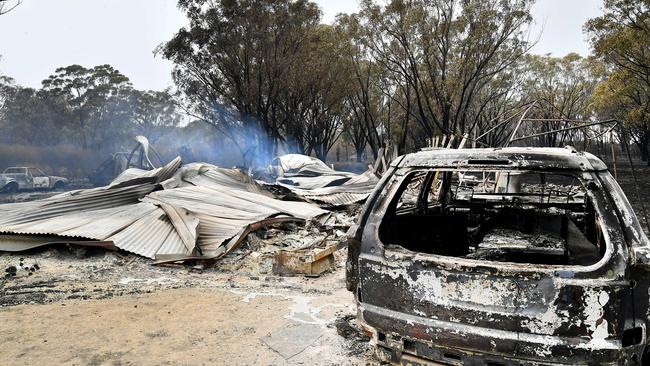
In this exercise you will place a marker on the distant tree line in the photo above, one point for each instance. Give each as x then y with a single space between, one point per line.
94 108
268 76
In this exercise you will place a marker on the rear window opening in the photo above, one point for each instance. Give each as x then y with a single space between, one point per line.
501 216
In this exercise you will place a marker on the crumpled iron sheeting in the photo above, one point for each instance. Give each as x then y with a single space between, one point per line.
292 165
311 180
158 174
222 212
306 172
197 211
202 174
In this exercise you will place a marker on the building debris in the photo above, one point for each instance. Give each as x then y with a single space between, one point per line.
139 157
195 211
310 179
171 213
310 262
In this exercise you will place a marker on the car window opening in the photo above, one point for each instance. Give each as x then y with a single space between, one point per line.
15 171
502 216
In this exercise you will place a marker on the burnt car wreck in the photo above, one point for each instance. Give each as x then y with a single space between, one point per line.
513 256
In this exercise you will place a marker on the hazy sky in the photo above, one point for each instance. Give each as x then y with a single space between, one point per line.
41 35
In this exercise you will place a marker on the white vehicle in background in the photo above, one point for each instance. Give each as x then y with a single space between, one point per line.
15 179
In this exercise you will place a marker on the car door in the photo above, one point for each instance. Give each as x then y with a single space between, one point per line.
39 179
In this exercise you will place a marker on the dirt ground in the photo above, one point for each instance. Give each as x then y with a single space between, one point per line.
106 309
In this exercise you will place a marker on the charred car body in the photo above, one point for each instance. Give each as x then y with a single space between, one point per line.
513 256
14 179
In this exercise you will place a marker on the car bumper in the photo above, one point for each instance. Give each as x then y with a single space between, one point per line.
407 338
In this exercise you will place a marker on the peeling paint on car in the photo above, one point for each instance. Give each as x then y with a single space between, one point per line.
449 308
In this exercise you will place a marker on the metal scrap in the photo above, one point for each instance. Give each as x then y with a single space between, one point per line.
577 294
312 180
309 262
171 213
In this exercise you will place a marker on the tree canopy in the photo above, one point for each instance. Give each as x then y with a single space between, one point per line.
620 38
269 77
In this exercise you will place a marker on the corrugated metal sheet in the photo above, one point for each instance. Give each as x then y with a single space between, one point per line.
303 165
198 211
307 172
173 212
313 182
160 174
148 235
331 190
223 212
337 199
27 218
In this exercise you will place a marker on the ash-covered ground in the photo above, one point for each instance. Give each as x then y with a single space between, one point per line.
78 305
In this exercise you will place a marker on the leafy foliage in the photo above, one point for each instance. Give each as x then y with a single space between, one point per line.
237 66
96 109
620 39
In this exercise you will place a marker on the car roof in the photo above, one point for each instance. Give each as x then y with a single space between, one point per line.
538 158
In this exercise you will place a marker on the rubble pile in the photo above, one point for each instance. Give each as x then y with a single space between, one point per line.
291 248
312 180
196 211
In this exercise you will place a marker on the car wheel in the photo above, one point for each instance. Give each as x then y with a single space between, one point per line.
58 186
10 188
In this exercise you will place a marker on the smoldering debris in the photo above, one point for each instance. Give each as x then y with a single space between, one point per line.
312 180
179 213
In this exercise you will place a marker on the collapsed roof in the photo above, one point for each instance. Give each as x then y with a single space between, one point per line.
312 180
180 212
173 213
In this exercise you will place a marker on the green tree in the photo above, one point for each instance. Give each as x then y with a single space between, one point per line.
7 88
98 98
155 113
366 101
318 88
620 38
443 55
234 63
561 88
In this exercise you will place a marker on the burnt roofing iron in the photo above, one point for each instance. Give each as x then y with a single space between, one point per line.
172 213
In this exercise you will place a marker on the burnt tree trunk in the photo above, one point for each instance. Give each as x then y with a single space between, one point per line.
359 153
643 147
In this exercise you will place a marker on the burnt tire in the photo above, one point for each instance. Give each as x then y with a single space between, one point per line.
58 186
10 188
